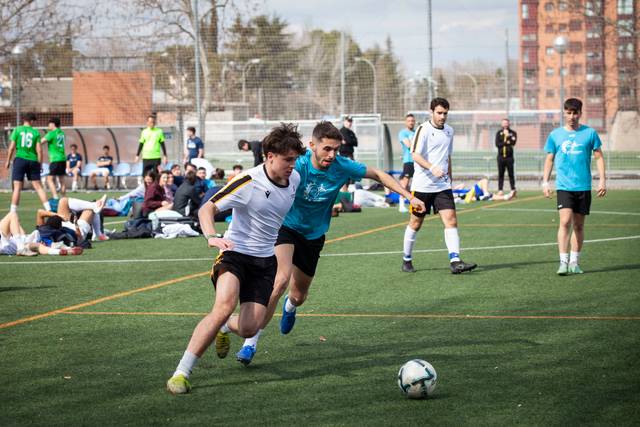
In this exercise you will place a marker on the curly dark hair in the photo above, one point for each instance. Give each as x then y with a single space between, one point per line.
327 130
283 139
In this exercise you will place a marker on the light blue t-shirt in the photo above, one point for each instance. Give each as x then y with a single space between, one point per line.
406 152
572 150
310 214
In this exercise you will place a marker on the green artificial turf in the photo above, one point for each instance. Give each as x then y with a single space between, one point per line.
512 342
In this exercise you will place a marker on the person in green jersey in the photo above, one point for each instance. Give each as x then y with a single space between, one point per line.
25 144
57 159
151 142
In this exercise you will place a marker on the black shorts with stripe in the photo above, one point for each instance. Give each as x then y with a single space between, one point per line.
578 201
407 170
255 274
58 168
306 253
437 201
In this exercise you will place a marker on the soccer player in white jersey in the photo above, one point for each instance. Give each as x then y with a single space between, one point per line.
431 150
246 267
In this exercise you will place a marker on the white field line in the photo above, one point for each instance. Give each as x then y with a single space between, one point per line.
555 210
479 248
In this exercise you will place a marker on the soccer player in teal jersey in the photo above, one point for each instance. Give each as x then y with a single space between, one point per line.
570 148
57 158
25 144
405 136
301 238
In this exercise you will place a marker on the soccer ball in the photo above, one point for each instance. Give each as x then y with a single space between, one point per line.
417 379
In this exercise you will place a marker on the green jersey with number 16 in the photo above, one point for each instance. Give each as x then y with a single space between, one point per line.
26 139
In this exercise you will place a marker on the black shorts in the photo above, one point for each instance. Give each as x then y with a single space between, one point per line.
256 274
306 253
22 167
58 168
438 201
578 201
407 170
150 164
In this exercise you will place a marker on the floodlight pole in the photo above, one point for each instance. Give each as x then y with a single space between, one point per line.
375 82
196 30
244 77
17 51
560 45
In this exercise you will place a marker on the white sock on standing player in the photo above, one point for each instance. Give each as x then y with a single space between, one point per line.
253 341
574 258
186 365
289 307
452 240
409 242
564 258
225 328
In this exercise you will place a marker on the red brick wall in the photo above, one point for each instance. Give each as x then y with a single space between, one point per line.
111 98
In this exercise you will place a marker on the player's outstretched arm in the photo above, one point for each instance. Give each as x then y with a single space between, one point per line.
602 184
393 185
546 174
205 215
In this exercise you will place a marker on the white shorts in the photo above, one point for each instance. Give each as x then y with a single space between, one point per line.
8 245
101 172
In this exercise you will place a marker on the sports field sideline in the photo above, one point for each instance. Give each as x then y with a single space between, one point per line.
92 339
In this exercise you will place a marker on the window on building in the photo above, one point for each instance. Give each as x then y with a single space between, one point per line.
625 27
594 77
525 57
564 71
525 11
549 28
575 25
575 47
625 51
550 71
550 93
594 55
562 28
549 50
595 91
531 37
624 91
593 34
625 7
563 5
575 91
575 69
593 7
548 7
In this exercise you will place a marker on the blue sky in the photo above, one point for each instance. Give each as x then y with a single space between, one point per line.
462 29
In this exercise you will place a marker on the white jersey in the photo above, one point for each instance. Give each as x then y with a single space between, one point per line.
259 207
436 146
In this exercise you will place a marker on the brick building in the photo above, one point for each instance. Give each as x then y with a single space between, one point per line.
600 65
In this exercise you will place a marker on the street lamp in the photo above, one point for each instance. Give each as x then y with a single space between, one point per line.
223 73
17 51
375 82
560 45
475 86
244 75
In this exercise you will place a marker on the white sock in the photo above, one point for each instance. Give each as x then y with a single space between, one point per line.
96 224
14 208
574 257
409 241
452 240
186 365
289 307
564 258
53 251
80 205
47 206
225 328
253 341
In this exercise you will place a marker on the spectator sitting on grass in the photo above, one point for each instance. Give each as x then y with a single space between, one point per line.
237 169
186 201
170 188
155 197
176 171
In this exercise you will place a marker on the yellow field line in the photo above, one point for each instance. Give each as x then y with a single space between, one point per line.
368 315
191 276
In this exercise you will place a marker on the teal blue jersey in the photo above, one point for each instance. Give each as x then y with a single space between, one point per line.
572 150
317 192
406 151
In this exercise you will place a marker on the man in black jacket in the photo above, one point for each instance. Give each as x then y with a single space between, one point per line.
256 149
506 139
349 139
187 196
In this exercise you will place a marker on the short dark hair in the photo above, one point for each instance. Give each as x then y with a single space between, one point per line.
152 173
202 169
237 167
190 177
573 104
74 146
439 101
409 115
105 147
218 173
165 173
175 165
189 164
55 121
30 117
282 139
54 221
192 129
152 116
348 118
241 143
327 130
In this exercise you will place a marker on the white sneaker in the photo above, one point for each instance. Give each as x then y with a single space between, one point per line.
403 209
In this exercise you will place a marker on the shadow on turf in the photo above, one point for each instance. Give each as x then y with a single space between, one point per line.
490 267
22 288
614 268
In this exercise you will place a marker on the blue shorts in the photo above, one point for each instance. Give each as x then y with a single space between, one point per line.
22 167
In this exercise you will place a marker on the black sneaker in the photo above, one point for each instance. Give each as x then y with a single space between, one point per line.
407 267
458 267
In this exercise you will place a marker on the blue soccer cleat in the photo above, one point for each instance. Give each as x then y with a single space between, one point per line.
245 355
288 319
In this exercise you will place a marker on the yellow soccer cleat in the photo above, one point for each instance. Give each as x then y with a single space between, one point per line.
178 384
223 343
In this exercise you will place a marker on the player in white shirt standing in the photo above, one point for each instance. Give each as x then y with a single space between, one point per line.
246 267
431 150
